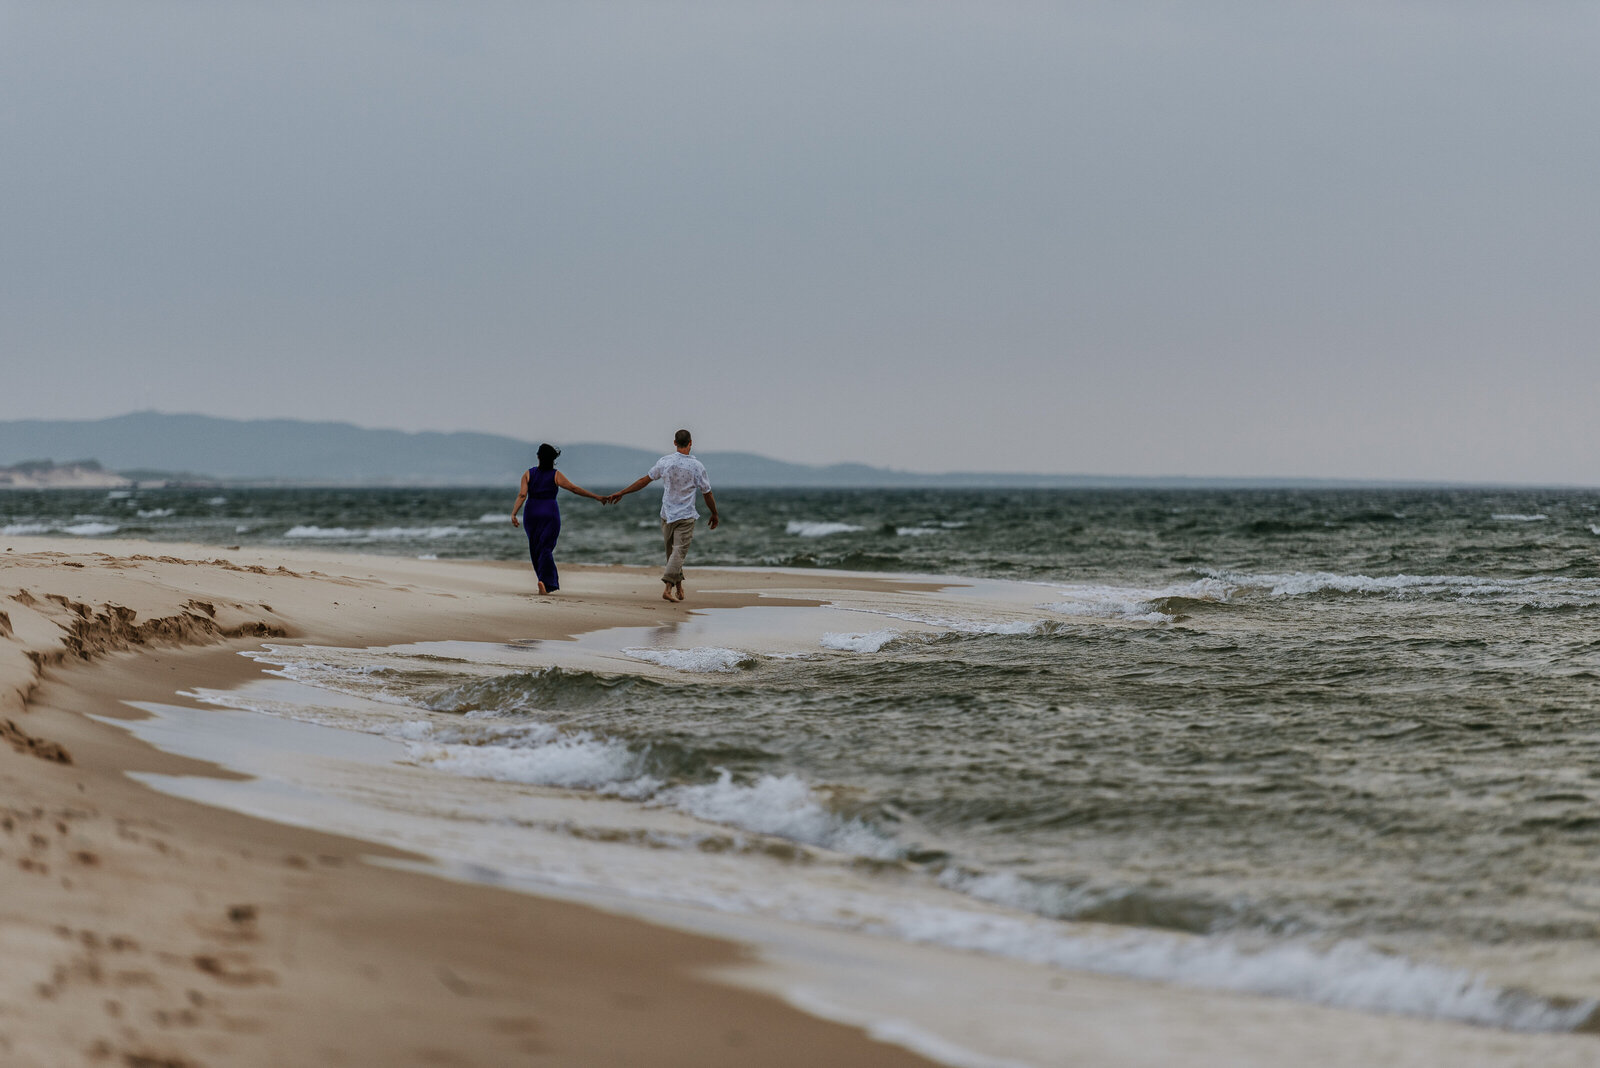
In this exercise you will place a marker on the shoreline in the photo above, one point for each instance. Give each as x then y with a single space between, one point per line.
181 870
138 925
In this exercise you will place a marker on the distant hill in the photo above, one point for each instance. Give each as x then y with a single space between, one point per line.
144 445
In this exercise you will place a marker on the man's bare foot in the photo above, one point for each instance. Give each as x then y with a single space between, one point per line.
542 590
666 593
678 589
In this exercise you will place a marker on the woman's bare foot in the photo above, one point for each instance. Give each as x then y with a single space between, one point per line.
666 593
678 589
542 590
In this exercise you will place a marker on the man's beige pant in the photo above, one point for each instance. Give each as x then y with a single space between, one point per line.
677 535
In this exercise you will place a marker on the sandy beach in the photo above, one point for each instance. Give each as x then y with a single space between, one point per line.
142 928
139 929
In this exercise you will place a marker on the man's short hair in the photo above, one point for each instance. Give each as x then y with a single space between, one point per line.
681 438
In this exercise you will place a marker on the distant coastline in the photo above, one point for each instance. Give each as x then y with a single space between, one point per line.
46 474
155 448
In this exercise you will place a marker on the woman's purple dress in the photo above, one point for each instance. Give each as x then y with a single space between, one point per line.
541 518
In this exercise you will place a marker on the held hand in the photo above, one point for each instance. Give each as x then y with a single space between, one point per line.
714 521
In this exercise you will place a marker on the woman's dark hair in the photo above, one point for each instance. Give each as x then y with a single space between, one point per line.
547 456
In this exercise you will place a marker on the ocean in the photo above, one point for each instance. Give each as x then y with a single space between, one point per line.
1341 746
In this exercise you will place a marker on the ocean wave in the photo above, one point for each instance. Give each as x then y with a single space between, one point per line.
1131 611
390 533
82 530
977 627
917 532
780 805
534 754
1135 605
867 642
1348 975
848 561
1126 906
374 533
538 754
322 532
1301 584
818 529
701 658
1519 517
542 690
156 513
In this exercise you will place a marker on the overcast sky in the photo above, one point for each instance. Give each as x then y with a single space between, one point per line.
1350 239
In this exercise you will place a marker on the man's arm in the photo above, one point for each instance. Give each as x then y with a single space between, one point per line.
711 503
640 483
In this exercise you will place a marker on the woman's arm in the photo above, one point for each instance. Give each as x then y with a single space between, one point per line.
522 495
567 484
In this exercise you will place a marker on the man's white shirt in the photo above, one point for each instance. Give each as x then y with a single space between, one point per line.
680 477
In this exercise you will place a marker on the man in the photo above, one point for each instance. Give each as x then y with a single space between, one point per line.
681 474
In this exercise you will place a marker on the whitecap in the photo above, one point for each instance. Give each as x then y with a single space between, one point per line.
780 805
1303 583
1111 608
917 532
858 642
818 529
321 532
700 658
156 513
534 755
1518 517
979 626
396 533
13 529
1135 605
89 530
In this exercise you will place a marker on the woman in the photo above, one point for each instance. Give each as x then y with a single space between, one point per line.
542 520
